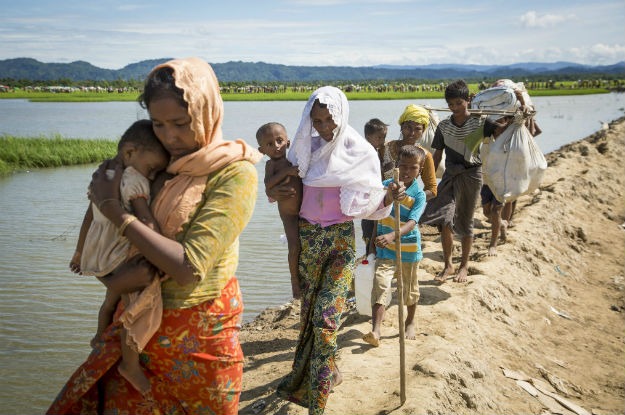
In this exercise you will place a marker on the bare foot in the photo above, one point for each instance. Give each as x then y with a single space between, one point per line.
410 332
337 378
492 251
462 274
372 338
134 374
443 275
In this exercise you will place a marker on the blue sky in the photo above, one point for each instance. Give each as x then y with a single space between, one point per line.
111 34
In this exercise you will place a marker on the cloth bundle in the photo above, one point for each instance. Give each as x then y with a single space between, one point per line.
501 98
513 165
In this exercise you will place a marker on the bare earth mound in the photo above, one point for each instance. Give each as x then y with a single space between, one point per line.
538 329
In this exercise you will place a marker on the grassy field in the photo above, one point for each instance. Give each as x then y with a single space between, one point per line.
20 153
565 89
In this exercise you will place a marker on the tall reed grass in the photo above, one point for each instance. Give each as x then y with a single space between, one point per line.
23 153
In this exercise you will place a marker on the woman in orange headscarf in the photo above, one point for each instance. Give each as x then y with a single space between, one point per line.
194 361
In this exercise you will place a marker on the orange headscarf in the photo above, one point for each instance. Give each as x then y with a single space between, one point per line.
181 194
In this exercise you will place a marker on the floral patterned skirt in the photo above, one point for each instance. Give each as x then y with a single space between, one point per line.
194 363
326 267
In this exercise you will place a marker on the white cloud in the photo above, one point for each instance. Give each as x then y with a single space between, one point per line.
532 19
606 54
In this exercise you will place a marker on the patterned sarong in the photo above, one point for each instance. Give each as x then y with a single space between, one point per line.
194 363
326 268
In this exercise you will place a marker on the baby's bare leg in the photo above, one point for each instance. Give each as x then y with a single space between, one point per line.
105 314
291 229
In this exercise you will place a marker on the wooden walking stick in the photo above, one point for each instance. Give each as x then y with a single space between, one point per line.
400 295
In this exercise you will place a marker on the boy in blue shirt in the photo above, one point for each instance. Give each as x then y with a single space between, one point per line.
411 160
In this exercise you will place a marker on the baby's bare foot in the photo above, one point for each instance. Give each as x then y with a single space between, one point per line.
134 374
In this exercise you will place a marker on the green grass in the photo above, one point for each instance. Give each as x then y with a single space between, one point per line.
564 88
22 153
70 96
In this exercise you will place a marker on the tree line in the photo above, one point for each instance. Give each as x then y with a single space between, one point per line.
65 85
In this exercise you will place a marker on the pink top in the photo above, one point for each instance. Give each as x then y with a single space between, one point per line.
321 206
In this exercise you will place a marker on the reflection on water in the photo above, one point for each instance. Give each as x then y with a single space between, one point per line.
49 314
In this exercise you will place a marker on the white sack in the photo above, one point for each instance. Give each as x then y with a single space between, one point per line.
513 165
428 137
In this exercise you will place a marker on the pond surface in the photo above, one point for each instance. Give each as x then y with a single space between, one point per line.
49 314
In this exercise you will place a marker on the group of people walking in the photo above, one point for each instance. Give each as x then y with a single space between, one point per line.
171 209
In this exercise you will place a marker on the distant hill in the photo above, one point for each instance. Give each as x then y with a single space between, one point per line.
31 69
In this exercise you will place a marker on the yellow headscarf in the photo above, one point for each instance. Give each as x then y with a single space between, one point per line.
417 114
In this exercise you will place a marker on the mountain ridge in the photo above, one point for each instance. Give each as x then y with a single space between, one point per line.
240 71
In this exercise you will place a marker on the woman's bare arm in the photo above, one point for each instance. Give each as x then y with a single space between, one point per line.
166 254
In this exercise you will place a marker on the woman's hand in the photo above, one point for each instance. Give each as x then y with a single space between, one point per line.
103 188
282 191
394 191
399 191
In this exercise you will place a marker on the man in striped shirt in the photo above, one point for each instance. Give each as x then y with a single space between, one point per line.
458 192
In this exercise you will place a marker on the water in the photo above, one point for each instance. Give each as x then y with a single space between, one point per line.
49 314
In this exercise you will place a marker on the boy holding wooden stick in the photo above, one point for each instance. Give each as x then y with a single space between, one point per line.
411 207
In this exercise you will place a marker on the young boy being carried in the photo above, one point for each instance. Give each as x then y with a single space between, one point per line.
273 142
411 160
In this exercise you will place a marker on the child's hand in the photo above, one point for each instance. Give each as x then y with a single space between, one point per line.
293 171
74 264
382 241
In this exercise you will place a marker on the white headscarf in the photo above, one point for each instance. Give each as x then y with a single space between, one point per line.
348 161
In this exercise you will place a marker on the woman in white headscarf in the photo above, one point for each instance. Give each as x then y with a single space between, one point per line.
340 172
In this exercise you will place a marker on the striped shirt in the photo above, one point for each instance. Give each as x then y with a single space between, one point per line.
450 137
410 208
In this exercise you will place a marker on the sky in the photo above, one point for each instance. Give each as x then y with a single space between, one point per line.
112 34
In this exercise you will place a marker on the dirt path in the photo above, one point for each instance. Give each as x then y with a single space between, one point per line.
550 307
